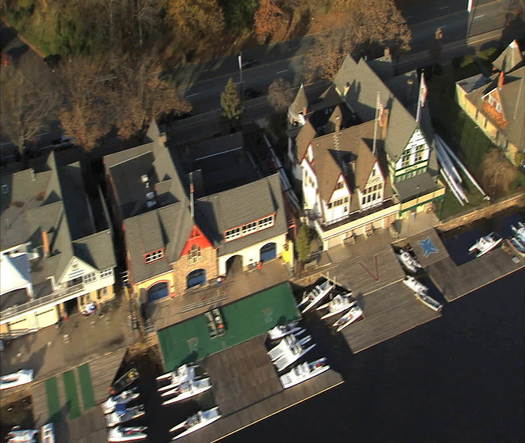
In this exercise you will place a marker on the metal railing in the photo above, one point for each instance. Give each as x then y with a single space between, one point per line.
8 313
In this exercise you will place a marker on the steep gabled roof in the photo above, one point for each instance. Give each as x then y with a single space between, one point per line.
305 135
509 59
300 102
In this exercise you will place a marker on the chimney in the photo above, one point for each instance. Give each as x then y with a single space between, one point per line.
163 138
501 80
45 243
383 123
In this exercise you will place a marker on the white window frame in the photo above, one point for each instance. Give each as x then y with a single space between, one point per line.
105 273
89 278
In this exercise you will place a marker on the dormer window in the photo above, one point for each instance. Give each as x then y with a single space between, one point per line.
339 185
249 228
154 255
194 254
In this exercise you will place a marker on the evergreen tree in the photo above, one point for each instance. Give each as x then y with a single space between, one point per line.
302 244
231 102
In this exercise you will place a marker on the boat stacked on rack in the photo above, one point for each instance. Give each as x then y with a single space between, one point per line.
289 350
281 331
124 434
122 414
351 316
338 304
421 293
173 379
123 398
186 390
303 372
16 379
196 421
408 261
517 241
47 433
485 244
311 298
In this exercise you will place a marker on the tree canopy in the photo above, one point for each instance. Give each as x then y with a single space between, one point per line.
231 104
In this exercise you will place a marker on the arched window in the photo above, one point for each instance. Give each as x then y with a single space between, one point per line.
268 252
158 291
196 278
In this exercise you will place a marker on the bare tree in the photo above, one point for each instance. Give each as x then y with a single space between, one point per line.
25 107
280 94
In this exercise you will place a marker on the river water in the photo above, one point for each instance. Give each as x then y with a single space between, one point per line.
460 378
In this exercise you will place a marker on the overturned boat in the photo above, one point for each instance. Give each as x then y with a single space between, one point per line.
123 414
123 398
430 302
485 244
123 434
311 298
16 379
304 372
292 354
408 261
175 378
351 316
415 285
18 435
517 241
280 349
338 304
186 390
196 421
281 331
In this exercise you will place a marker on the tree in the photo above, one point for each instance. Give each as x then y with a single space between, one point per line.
268 19
142 94
86 114
196 19
25 107
231 102
327 54
280 94
302 243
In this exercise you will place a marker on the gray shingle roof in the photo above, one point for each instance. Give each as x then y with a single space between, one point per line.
509 59
300 102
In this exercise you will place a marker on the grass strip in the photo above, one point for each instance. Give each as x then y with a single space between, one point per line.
86 387
71 394
53 402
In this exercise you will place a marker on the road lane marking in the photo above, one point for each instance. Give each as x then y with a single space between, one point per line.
479 16
284 70
192 95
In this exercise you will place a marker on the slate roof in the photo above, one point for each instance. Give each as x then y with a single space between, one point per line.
229 209
413 187
347 152
512 100
364 85
509 59
52 198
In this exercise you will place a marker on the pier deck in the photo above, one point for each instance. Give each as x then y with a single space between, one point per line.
456 281
247 389
388 312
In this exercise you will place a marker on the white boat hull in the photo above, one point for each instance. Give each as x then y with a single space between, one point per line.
291 378
207 417
15 379
286 360
124 434
349 318
189 394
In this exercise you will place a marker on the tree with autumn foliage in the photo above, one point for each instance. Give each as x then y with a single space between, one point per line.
372 26
196 19
268 19
280 94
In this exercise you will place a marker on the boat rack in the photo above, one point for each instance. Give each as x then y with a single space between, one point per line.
216 326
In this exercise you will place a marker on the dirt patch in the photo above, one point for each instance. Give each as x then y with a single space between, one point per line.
497 174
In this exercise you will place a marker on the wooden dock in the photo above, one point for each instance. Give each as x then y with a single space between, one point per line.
90 426
247 389
457 281
388 312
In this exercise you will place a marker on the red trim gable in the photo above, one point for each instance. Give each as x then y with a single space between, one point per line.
198 238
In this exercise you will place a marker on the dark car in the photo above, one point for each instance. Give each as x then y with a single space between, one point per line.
252 93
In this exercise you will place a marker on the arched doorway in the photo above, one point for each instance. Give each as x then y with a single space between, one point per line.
268 252
158 291
196 278
234 264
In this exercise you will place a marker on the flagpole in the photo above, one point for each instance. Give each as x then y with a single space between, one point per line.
375 124
421 98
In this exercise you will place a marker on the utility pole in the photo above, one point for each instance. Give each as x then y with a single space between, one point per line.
239 58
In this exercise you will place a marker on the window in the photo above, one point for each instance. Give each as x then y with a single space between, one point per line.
194 254
339 185
420 150
90 278
106 273
498 107
373 174
371 194
4 189
249 228
405 159
154 255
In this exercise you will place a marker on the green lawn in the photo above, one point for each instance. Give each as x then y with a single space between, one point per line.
189 341
71 393
84 377
53 402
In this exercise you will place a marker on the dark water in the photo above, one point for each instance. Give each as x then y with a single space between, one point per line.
460 378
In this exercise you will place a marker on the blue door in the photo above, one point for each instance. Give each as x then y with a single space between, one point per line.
268 252
158 291
196 278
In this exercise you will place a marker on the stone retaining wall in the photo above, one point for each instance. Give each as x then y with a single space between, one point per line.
485 212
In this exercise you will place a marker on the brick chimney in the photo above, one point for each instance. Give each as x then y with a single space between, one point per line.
45 243
501 80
